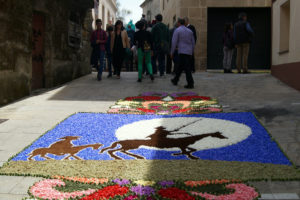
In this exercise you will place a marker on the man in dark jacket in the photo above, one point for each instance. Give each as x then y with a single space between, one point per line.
98 41
193 29
161 38
243 34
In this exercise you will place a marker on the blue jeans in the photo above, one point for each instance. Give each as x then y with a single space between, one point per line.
161 57
101 66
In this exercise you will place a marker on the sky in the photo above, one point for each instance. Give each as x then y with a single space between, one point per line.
134 7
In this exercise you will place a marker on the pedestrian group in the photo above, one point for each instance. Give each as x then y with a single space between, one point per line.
152 43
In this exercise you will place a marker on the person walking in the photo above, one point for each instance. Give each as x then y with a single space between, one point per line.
243 35
98 41
193 29
183 38
119 46
161 35
175 55
228 43
129 61
109 31
143 41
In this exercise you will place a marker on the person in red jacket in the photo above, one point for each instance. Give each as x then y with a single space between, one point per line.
98 42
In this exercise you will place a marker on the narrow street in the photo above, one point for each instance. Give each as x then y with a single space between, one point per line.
276 105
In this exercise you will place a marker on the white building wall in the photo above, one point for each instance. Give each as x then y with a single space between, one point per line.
109 7
154 7
293 54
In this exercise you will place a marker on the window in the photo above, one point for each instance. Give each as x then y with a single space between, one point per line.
163 6
174 19
284 27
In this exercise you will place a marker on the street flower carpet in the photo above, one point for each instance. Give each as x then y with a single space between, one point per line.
153 146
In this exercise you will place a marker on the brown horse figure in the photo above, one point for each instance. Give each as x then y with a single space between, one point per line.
61 148
160 140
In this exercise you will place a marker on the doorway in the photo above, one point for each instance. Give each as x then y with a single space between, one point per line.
260 50
38 35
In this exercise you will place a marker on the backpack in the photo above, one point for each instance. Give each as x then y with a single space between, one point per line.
147 47
164 47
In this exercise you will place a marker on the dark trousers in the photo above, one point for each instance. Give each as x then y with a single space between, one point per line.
185 64
109 63
161 57
175 61
193 63
154 64
118 63
169 64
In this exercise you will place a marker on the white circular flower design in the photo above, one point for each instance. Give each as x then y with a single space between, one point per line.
184 127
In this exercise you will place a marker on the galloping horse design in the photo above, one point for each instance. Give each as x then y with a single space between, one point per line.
160 140
63 147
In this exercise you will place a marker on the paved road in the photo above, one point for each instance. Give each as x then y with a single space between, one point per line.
276 105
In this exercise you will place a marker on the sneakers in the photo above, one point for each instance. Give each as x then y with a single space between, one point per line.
139 80
227 71
109 76
152 77
189 87
99 77
173 82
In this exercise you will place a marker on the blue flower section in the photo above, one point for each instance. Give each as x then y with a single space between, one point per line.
95 128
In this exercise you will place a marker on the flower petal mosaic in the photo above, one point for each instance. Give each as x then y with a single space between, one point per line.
54 189
157 145
161 103
221 136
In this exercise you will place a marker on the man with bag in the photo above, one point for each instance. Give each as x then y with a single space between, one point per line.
160 35
243 35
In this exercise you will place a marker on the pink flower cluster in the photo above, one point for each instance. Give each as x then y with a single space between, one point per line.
242 192
45 190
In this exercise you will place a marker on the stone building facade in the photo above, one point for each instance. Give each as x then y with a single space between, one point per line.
106 11
286 42
42 44
151 8
198 12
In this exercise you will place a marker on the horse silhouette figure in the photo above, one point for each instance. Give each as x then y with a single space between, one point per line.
63 147
160 140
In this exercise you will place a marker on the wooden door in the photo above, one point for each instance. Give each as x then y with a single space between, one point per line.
38 32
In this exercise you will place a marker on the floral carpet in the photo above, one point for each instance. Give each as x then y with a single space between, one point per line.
174 140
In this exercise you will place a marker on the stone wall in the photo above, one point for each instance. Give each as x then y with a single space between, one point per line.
62 63
15 49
